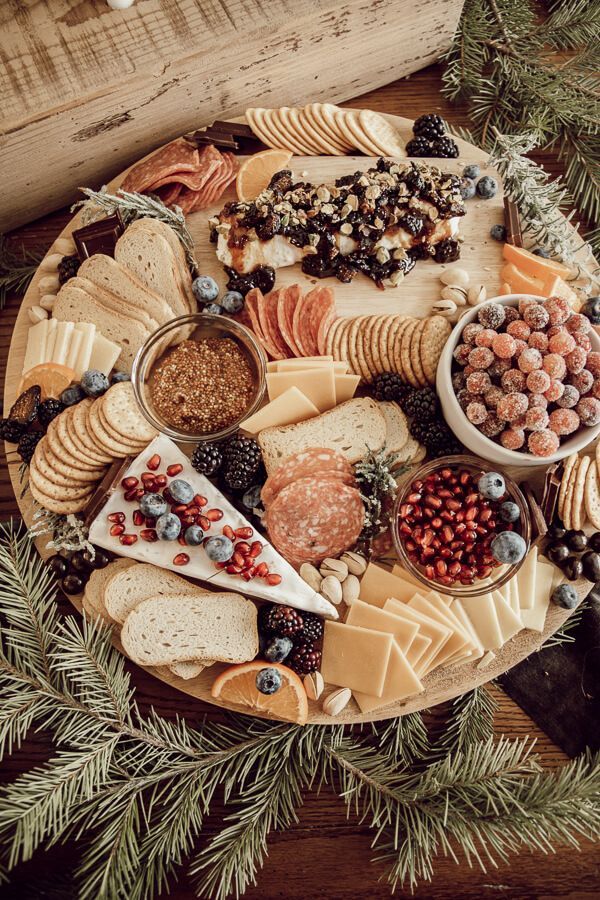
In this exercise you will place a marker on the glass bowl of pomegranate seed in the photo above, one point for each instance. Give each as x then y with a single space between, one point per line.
447 521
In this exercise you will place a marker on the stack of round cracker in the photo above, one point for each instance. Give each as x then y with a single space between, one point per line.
579 494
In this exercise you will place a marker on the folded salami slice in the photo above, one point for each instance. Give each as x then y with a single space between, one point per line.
318 461
178 156
267 314
286 304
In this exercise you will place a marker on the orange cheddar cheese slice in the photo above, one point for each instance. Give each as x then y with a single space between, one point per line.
532 265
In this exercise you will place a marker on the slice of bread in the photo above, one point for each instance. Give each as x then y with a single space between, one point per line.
187 670
73 304
111 301
396 426
352 428
93 595
106 272
125 590
161 631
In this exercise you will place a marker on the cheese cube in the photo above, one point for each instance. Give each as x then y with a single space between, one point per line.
356 658
400 682
290 407
316 384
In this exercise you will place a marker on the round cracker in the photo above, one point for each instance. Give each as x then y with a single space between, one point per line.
316 136
592 495
396 324
361 139
323 116
436 332
79 431
340 347
57 491
383 338
134 446
46 467
124 415
61 442
567 518
254 118
399 365
564 482
381 133
61 507
353 338
368 337
577 499
331 334
66 468
375 345
353 133
416 353
407 336
280 123
104 438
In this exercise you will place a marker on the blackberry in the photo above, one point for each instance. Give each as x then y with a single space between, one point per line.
207 459
68 268
312 629
419 146
25 407
27 444
49 410
418 430
422 405
412 223
242 459
445 148
388 386
446 251
11 430
304 659
430 126
283 621
440 441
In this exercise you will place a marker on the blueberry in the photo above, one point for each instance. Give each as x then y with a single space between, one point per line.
120 376
205 289
491 486
471 171
498 232
193 536
213 309
232 302
218 548
508 547
591 309
539 251
509 512
72 395
268 681
566 596
251 498
153 505
168 527
487 187
277 650
181 491
94 383
467 188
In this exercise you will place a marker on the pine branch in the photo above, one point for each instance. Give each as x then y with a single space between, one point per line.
404 739
471 720
16 270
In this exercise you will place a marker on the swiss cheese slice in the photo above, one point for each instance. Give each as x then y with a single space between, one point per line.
64 331
88 330
290 407
316 384
35 353
482 613
356 658
535 616
378 585
51 340
104 354
400 683
526 579
367 616
510 624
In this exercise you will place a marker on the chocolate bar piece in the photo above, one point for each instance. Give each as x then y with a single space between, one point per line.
103 491
235 128
539 525
551 488
99 237
514 235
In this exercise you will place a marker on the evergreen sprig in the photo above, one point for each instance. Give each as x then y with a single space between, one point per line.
16 269
504 61
134 790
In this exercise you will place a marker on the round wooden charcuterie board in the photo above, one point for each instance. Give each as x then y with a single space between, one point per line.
480 256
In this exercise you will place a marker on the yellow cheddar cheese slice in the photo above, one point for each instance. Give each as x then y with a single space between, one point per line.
290 407
316 384
400 682
356 658
366 616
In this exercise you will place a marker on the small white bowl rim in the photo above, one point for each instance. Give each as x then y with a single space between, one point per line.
576 443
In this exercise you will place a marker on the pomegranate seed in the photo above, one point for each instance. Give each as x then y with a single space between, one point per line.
453 505
149 521
214 515
221 565
182 559
470 499
130 482
128 539
188 520
228 532
428 512
245 532
199 500
193 511
446 553
174 470
149 534
262 569
203 522
273 579
485 571
131 494
138 517
427 538
116 529
414 498
406 509
116 517
436 523
429 572
233 569
147 476
247 575
410 546
160 481
238 559
428 552
181 540
180 509
447 534
154 462
444 493
243 547
436 543
166 494
433 502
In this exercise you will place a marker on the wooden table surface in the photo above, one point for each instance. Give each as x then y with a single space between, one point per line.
325 855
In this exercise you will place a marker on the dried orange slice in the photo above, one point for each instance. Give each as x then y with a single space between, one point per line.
51 377
237 685
256 172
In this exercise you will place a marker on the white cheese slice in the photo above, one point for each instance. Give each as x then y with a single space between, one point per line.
428 627
514 595
510 624
51 339
526 580
104 354
64 331
535 617
482 614
74 347
36 345
88 330
459 611
292 591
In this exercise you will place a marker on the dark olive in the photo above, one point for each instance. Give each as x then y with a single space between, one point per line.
591 565
573 568
594 542
556 532
557 552
72 584
576 540
79 563
58 565
100 560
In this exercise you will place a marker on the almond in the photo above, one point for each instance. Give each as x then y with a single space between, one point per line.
337 701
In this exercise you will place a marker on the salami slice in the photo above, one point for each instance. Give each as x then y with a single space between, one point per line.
286 304
251 305
318 461
267 314
265 328
313 518
169 193
323 314
299 329
217 185
178 156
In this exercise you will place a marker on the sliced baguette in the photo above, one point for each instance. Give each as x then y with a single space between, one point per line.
94 593
396 426
125 590
162 632
351 428
120 280
73 304
111 301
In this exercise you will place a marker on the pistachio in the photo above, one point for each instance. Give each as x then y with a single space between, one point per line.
311 576
455 293
336 567
350 589
337 701
477 294
36 314
331 589
64 245
456 276
446 308
355 561
313 685
346 228
47 301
